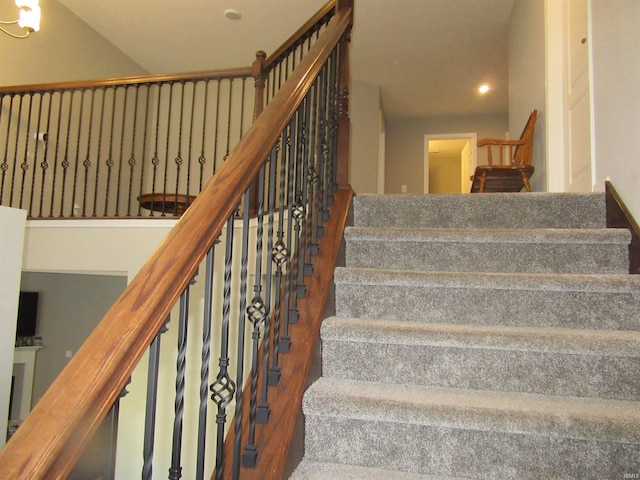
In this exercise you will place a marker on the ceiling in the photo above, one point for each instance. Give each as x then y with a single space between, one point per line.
427 56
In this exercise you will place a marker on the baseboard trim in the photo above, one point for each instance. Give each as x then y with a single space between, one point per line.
618 216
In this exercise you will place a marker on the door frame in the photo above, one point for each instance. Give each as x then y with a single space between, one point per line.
471 137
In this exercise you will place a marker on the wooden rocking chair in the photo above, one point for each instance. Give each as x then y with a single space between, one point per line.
512 175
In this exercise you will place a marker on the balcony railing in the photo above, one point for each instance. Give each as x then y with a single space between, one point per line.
133 147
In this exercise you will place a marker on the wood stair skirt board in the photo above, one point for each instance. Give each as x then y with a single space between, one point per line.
489 336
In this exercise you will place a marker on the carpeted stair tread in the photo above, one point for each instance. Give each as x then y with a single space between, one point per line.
602 251
496 210
495 281
607 236
308 470
553 361
531 414
495 337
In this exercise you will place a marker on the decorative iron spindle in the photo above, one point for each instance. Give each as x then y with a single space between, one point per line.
257 313
151 404
223 389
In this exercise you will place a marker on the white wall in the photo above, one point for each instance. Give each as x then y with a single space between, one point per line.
365 134
12 225
64 49
616 98
405 145
527 80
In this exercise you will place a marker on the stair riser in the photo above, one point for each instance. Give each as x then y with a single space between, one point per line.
440 450
489 257
484 369
536 210
569 309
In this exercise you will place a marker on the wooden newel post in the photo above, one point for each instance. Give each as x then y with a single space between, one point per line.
257 71
259 76
344 121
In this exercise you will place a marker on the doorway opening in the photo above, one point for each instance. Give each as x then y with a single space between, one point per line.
449 162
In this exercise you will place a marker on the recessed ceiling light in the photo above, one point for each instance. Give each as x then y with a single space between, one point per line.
232 14
483 88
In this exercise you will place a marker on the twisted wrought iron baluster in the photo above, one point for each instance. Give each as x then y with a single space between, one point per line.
223 389
257 312
151 404
65 162
55 157
263 407
280 256
284 341
237 444
204 365
202 159
76 164
175 471
155 160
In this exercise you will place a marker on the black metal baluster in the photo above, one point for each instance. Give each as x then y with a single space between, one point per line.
99 152
205 357
155 160
237 444
216 128
109 161
15 152
166 153
77 160
132 156
263 407
35 156
44 165
280 256
178 160
151 404
175 471
25 162
202 159
223 389
144 146
55 157
4 166
121 154
65 162
257 313
229 109
87 159
191 128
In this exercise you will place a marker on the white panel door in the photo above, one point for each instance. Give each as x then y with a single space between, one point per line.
577 103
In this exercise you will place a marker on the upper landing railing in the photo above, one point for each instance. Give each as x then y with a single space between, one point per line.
240 299
132 147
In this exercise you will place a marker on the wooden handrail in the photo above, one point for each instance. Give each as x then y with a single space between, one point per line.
323 12
49 442
138 79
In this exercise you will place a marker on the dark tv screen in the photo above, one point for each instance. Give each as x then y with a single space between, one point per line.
27 314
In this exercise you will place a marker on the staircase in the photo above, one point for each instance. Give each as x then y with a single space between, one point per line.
492 336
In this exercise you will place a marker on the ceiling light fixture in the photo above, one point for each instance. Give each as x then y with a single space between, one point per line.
29 19
483 89
232 14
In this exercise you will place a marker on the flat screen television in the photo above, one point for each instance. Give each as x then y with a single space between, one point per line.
27 314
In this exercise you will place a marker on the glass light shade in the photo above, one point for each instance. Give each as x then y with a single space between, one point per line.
29 18
27 4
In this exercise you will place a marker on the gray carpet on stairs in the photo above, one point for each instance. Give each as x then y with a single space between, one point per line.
491 336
